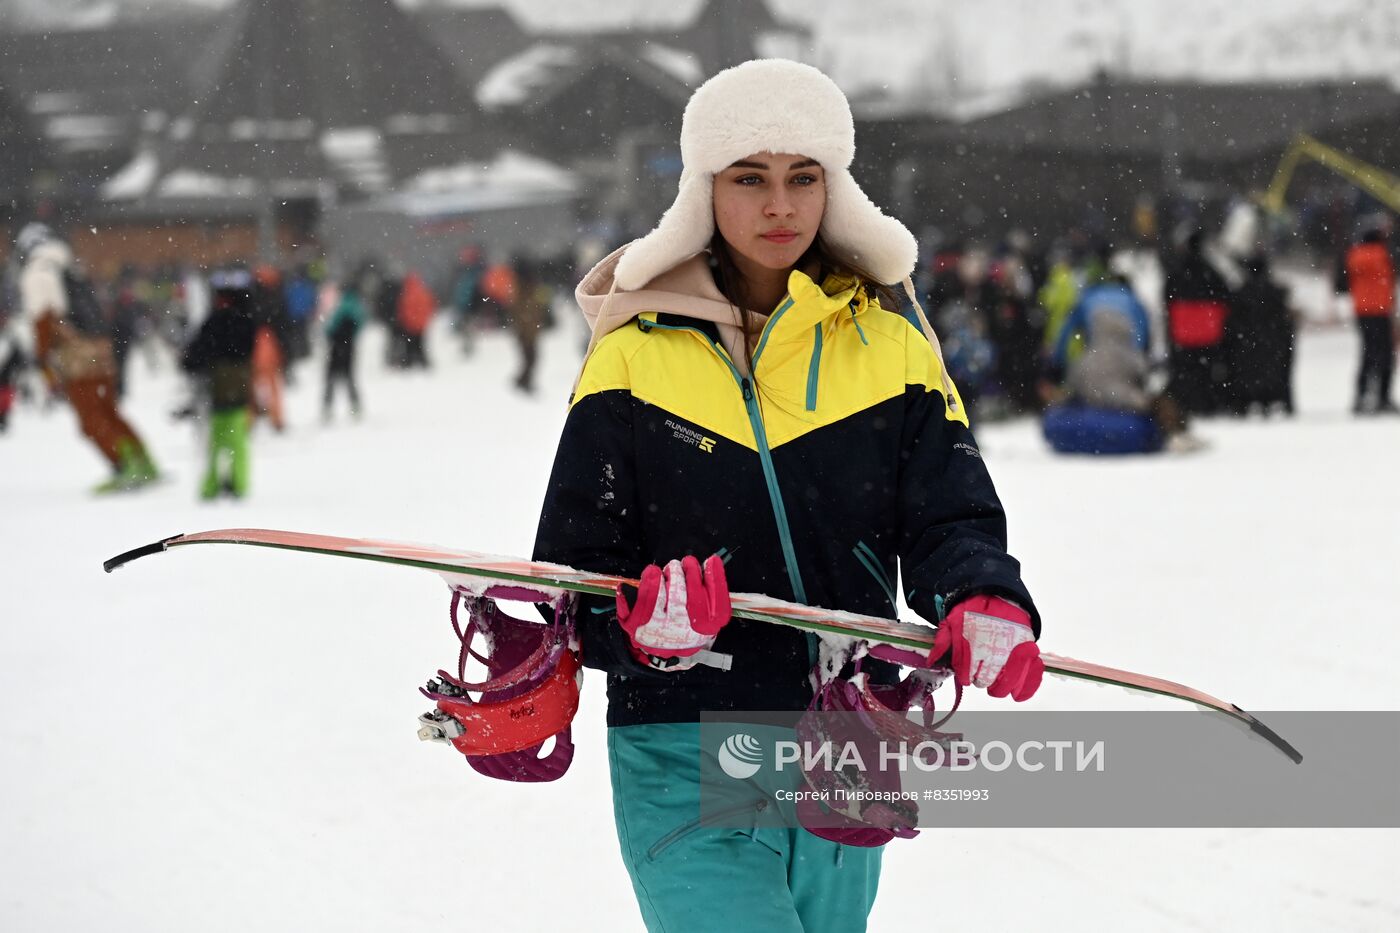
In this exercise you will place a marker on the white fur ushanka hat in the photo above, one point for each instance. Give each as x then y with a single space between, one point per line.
770 105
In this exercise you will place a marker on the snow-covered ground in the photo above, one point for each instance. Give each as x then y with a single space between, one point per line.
224 739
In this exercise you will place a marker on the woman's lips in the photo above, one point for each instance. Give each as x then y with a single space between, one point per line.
780 236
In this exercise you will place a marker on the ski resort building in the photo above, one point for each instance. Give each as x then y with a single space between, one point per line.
224 133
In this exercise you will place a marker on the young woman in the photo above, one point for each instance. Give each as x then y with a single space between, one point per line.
749 390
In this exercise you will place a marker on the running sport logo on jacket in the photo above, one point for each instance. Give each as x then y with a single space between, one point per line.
691 436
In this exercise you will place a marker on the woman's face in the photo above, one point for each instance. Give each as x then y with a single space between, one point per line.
768 207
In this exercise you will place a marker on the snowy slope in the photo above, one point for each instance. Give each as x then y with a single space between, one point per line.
221 739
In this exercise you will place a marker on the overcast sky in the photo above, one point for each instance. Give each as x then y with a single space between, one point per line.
979 46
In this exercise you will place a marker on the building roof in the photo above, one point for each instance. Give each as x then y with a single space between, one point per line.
105 96
93 92
1212 122
474 39
311 93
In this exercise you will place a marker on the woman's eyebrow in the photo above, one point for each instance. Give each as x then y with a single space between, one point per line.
745 163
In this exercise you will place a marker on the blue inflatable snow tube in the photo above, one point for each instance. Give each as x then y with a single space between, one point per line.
1078 429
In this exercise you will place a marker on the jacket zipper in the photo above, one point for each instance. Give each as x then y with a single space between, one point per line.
813 367
770 475
765 456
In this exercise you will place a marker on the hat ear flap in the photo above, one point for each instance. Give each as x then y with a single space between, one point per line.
685 230
860 232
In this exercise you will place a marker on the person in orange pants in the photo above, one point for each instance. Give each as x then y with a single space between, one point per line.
76 357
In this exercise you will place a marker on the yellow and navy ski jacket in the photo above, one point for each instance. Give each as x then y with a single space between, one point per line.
845 456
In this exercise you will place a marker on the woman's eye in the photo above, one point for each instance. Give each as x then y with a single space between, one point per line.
748 180
805 180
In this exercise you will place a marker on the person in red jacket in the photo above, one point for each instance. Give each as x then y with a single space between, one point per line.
1370 277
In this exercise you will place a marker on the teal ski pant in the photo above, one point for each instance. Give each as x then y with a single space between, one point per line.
694 879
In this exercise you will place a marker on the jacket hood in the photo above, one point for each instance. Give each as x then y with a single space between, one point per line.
687 289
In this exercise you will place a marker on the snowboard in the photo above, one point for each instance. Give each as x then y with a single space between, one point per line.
475 571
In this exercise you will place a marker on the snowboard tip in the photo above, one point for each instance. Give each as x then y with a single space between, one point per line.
1270 736
127 557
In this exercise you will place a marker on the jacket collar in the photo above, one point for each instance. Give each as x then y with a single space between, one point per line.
808 304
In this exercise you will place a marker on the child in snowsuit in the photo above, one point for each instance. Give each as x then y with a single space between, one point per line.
222 352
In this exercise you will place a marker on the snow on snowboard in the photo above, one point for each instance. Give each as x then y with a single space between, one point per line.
468 569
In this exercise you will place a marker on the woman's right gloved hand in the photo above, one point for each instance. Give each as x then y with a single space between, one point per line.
676 612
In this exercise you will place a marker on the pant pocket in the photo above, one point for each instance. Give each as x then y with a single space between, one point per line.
719 821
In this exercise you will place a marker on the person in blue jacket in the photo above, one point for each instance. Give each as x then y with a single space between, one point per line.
1106 293
750 390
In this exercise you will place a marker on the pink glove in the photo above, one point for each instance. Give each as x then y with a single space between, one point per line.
678 612
993 646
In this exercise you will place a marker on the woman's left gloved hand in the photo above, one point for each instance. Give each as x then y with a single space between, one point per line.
992 645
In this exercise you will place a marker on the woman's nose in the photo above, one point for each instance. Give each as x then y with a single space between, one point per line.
779 205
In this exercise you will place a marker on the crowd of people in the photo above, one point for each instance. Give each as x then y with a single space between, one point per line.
1024 329
240 332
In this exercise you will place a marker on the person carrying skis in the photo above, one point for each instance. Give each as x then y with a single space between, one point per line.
750 390
62 332
222 352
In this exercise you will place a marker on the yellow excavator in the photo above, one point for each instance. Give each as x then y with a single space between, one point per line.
1376 182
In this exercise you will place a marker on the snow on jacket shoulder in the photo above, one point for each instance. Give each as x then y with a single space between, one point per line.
835 464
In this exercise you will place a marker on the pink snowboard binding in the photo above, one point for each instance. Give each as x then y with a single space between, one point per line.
530 693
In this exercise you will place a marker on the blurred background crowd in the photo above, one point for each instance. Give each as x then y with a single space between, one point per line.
1116 250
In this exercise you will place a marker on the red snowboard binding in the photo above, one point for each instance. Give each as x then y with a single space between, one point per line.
530 694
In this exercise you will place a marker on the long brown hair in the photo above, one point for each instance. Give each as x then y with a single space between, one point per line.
730 281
